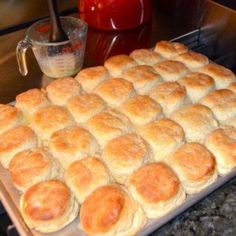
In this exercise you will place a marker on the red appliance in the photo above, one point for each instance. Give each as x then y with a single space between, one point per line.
115 14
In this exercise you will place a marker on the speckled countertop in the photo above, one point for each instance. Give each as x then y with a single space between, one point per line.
215 215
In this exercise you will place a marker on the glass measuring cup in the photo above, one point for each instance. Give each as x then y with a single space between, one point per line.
55 59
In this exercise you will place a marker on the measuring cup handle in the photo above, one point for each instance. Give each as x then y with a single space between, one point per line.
21 49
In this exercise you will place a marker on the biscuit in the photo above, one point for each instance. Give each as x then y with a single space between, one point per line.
110 211
222 143
163 136
10 117
145 57
86 175
83 107
171 70
107 125
197 121
156 188
71 144
170 95
230 122
48 206
61 90
116 65
197 85
170 50
222 76
115 91
49 119
30 101
16 140
195 166
232 87
193 60
222 102
141 109
125 154
91 77
143 78
32 166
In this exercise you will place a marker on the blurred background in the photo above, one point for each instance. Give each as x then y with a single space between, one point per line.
170 19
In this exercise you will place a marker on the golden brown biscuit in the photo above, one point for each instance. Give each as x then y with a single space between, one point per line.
170 50
232 87
32 166
61 90
71 144
170 95
171 70
107 125
197 121
10 117
143 78
48 206
145 57
230 122
141 109
192 60
83 107
30 101
197 85
86 175
91 77
163 136
49 119
222 102
110 211
116 65
222 143
195 166
115 91
16 140
156 188
222 76
125 154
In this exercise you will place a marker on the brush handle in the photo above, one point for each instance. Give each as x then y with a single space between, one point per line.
57 33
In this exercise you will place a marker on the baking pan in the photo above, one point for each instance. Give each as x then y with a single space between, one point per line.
10 199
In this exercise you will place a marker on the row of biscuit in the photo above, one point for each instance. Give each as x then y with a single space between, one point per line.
141 129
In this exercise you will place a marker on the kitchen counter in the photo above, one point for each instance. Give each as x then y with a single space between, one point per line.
213 32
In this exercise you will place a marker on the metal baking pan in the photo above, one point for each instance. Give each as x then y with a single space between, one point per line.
208 34
10 199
